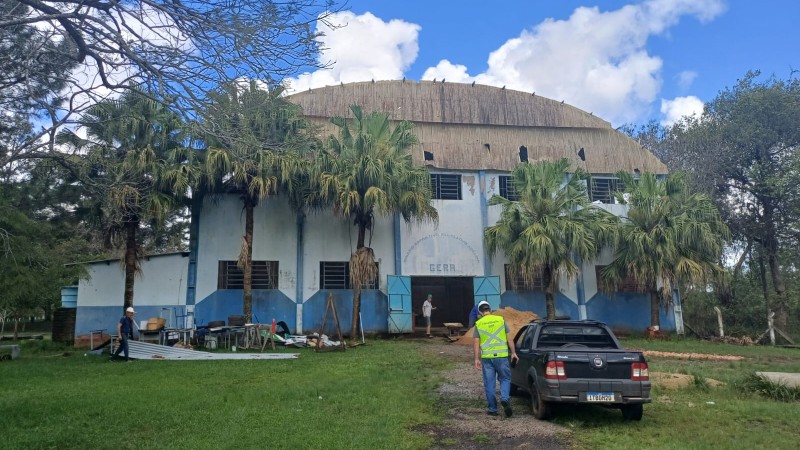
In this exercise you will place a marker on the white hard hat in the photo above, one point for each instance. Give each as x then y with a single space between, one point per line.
484 305
130 309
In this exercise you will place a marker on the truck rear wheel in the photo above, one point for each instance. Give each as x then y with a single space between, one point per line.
632 412
539 408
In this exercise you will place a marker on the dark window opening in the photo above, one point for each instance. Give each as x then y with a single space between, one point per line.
629 284
523 154
265 275
446 187
603 189
516 282
336 275
507 190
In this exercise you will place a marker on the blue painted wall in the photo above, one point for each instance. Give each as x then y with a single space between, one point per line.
627 312
374 311
268 304
535 302
88 318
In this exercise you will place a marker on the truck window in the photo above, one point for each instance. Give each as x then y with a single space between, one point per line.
588 335
519 341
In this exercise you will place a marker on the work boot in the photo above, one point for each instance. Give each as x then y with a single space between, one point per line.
506 407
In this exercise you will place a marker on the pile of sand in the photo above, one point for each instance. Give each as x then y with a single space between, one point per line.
514 319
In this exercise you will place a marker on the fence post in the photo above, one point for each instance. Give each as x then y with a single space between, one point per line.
771 327
719 321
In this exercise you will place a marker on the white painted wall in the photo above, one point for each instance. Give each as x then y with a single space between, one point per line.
330 238
455 246
222 222
162 282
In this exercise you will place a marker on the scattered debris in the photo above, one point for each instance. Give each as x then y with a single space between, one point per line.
704 356
672 381
744 340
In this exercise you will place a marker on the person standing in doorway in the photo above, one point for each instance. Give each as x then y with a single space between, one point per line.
491 347
124 333
427 307
474 314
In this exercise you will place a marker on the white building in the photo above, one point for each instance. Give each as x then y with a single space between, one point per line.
470 138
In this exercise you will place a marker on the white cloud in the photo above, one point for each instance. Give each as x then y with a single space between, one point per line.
594 60
685 79
445 70
360 48
674 110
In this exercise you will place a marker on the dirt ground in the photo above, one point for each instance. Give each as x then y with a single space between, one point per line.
468 426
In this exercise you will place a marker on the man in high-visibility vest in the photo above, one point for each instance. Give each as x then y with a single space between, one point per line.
491 346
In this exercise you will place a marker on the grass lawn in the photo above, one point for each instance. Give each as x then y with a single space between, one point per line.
365 398
699 417
368 397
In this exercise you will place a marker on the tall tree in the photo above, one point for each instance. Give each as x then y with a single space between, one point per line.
32 65
131 172
257 146
669 235
178 49
743 152
552 222
367 171
35 247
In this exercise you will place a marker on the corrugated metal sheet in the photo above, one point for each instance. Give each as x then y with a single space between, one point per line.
147 351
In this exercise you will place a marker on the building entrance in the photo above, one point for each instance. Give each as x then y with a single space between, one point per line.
453 299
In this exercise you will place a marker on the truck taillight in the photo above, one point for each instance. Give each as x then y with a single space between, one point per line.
554 370
639 372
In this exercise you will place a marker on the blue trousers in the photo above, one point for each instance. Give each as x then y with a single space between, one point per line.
123 347
495 369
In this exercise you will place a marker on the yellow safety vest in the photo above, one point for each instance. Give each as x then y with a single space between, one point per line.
492 333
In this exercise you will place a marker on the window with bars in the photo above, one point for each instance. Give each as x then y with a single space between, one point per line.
507 188
336 275
629 284
602 189
516 282
446 187
265 275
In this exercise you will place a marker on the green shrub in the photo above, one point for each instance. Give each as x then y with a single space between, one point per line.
777 391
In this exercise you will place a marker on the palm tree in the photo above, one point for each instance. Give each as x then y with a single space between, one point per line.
255 148
552 222
129 171
669 235
367 172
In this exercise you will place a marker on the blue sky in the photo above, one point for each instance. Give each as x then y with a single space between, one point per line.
625 61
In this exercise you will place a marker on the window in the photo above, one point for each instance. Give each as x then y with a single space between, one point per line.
265 275
524 338
446 187
590 336
516 282
336 275
602 189
507 188
629 284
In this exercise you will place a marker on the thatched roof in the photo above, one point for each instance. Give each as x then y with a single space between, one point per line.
477 127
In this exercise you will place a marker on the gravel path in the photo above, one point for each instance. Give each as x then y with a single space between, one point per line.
468 426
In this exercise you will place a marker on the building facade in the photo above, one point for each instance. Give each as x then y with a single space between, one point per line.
470 138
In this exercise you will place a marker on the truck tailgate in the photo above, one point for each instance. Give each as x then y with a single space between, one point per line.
613 365
596 372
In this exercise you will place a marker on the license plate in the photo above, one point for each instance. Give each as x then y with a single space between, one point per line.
599 396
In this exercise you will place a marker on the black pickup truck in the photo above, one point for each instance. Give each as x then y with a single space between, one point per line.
578 361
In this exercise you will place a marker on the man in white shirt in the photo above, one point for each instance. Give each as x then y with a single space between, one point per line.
427 307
